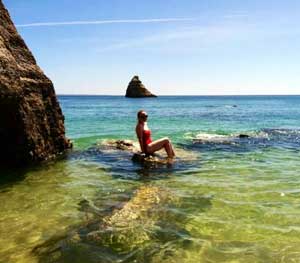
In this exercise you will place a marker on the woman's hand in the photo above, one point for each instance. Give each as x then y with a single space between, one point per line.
139 133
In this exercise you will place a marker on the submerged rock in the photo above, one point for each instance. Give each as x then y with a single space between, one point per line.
31 120
136 89
150 217
132 225
125 229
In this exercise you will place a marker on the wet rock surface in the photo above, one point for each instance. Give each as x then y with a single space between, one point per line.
136 89
137 156
123 159
31 121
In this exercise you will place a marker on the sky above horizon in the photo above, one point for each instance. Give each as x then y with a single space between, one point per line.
190 47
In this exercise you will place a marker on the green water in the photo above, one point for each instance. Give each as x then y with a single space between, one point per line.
232 203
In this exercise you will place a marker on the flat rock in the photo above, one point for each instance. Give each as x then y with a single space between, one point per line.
132 147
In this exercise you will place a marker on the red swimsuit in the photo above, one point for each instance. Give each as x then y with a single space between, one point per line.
146 138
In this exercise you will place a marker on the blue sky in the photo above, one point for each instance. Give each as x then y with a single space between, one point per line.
177 47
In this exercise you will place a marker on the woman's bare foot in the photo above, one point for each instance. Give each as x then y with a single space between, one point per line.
170 160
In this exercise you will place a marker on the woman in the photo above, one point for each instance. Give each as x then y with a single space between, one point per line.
144 135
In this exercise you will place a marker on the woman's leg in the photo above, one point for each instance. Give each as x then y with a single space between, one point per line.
159 144
172 149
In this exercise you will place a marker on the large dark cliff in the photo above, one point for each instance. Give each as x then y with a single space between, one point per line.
31 120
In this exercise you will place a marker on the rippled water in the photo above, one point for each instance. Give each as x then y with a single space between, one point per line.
228 198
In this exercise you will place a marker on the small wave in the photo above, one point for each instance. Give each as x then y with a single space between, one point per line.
231 106
213 138
278 137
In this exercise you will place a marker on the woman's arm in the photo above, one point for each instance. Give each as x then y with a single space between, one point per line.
139 133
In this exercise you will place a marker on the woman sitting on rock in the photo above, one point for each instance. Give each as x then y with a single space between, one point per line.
144 135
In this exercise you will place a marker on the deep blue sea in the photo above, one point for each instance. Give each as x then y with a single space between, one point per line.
232 194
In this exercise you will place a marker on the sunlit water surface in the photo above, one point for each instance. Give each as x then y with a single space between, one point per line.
236 200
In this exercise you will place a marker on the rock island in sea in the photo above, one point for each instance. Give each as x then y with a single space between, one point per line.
136 89
31 121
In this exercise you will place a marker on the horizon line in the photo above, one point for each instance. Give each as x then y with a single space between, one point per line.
189 95
101 22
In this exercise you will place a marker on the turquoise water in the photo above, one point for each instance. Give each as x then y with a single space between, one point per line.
226 199
105 116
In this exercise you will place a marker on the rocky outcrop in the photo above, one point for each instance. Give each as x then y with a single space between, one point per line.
31 120
136 89
123 150
159 158
130 226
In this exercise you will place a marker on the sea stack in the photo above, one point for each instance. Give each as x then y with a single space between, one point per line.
136 89
31 121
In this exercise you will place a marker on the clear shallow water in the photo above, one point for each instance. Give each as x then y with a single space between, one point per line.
236 201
